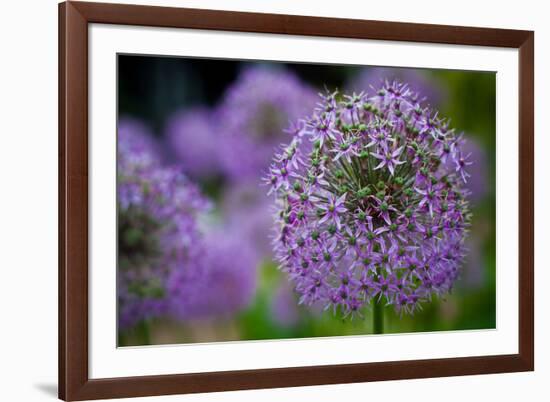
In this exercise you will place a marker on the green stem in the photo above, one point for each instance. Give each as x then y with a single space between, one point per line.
378 318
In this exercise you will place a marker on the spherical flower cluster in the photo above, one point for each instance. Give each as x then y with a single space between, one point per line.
252 114
157 226
370 211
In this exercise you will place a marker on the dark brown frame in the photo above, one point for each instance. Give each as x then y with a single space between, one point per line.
74 17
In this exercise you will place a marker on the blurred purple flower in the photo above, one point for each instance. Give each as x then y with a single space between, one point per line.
248 215
473 273
193 138
157 228
284 310
385 223
227 283
136 145
252 115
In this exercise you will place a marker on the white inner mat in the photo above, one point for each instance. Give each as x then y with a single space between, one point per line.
106 360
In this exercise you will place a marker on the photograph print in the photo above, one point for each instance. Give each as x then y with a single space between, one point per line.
270 200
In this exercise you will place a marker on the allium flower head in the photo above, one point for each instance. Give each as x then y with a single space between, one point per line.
367 208
252 115
157 227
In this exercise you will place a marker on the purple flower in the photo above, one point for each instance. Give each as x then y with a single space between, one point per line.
321 128
193 138
462 161
157 226
389 158
376 208
227 281
333 209
252 115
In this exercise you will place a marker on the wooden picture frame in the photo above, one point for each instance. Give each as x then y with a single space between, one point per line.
74 381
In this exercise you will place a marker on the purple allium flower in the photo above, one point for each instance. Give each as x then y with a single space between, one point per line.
388 221
227 281
193 138
252 115
157 228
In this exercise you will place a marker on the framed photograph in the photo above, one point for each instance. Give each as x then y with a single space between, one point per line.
260 200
